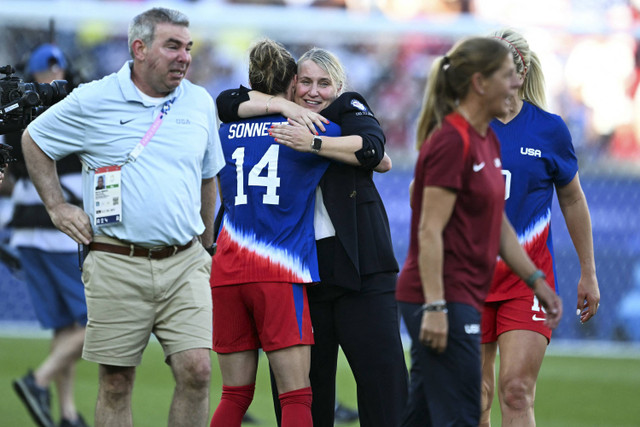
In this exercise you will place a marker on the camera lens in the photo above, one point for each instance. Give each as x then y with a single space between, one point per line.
51 93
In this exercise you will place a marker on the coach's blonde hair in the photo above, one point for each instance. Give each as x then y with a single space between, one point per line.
450 79
532 89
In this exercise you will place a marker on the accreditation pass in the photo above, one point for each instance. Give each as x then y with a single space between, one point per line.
107 196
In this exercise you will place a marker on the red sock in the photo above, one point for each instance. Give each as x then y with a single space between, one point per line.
296 408
233 404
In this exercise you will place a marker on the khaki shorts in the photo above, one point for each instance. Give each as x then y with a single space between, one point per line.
128 298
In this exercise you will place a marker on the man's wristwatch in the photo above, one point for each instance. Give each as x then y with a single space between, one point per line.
316 145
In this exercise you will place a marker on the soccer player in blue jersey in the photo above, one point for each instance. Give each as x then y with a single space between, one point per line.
266 252
537 156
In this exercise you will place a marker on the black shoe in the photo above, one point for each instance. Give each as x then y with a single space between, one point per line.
345 415
35 398
77 423
248 419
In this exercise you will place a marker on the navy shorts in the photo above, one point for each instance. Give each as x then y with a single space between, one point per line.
445 389
55 286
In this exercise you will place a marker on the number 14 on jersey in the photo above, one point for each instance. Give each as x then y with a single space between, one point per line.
270 180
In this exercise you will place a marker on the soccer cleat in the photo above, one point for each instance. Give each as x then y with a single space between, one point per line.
35 398
79 422
344 414
248 419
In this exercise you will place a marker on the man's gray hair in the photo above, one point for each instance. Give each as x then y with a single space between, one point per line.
143 26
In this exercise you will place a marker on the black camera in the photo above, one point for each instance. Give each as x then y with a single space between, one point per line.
5 155
21 102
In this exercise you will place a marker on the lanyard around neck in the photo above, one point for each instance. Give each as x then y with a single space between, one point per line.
133 156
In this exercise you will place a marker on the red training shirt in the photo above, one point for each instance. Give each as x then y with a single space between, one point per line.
459 158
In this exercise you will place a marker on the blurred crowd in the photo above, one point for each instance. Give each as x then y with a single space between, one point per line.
593 79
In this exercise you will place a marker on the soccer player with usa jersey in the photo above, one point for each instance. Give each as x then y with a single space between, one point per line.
537 156
266 253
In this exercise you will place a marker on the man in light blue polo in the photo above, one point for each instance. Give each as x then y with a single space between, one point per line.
152 137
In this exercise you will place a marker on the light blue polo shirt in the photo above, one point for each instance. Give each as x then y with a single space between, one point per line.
104 120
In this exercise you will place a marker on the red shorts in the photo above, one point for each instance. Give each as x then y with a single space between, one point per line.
254 315
519 313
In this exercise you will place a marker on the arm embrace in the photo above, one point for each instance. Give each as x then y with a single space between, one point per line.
344 149
241 103
362 143
352 113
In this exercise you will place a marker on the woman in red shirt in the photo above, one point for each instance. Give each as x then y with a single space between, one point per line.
458 228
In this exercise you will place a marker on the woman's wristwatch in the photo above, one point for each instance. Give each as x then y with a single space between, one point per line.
316 145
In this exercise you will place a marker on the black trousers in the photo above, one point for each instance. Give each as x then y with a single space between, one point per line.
445 388
365 324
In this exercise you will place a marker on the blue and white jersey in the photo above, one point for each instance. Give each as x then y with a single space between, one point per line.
537 154
268 193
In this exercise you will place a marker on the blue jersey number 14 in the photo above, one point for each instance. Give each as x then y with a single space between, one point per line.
271 181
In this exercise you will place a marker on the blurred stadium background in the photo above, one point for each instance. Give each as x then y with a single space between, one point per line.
589 50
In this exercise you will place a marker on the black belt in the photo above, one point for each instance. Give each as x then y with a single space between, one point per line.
158 252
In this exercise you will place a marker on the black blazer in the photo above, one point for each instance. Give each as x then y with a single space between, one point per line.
358 215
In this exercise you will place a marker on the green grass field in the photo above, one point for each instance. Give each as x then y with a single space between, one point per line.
572 391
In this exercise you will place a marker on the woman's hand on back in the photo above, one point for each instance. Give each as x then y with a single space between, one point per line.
293 135
303 116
